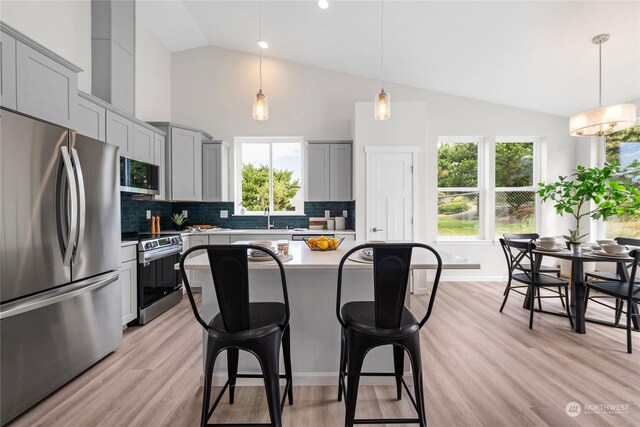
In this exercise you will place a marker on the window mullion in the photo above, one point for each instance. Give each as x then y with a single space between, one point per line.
271 206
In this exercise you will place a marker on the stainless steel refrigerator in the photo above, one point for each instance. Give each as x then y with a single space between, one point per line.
60 298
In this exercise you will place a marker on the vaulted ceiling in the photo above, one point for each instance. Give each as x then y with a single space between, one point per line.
535 55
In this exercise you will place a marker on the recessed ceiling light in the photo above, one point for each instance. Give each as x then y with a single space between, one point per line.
263 44
323 4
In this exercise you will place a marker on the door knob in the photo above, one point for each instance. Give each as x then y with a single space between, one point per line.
376 229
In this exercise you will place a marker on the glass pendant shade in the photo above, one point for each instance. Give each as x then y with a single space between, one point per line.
603 120
260 107
383 106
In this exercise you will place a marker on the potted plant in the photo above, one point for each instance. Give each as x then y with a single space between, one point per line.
592 192
178 220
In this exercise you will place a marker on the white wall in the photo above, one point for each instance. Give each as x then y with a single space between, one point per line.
153 76
62 26
213 89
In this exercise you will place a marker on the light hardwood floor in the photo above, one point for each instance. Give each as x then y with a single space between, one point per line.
481 368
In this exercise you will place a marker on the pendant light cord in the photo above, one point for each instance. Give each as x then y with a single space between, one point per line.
382 44
260 40
600 74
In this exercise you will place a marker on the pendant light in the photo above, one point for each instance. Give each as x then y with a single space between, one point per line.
260 104
383 99
602 120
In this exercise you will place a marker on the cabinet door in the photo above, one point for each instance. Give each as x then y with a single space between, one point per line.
45 89
8 71
212 172
128 281
120 133
158 159
186 165
91 119
222 239
318 175
340 172
143 144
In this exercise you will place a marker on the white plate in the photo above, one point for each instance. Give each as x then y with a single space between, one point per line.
623 254
365 256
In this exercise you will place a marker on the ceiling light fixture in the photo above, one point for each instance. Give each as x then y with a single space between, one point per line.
383 99
260 104
323 4
602 120
263 44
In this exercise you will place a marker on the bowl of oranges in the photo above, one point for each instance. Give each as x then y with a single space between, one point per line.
323 243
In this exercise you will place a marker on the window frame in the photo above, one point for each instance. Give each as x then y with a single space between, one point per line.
479 141
486 183
535 179
270 140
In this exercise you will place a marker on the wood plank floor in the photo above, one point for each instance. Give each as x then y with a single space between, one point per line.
481 368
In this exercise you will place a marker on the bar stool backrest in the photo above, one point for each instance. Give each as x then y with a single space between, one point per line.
521 236
230 271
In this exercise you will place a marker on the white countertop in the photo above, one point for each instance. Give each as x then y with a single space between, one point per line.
306 259
128 243
260 231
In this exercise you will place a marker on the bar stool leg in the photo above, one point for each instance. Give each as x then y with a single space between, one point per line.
398 363
232 369
356 355
286 355
268 353
343 364
412 345
213 349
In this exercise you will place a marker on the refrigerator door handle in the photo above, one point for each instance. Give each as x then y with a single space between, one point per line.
56 295
82 198
73 206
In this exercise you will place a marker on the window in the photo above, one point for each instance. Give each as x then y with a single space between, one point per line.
624 147
269 175
459 200
486 189
515 196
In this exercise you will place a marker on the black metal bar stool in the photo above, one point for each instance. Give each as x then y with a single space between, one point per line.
255 327
383 321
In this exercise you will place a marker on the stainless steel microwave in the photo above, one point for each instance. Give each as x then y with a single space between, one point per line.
139 177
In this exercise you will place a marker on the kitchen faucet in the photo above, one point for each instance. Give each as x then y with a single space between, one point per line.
267 213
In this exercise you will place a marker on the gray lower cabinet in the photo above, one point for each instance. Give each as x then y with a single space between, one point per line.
318 172
45 88
143 144
91 119
329 167
8 71
215 171
158 153
129 283
340 174
120 133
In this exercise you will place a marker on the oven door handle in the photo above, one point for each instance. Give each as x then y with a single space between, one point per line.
145 259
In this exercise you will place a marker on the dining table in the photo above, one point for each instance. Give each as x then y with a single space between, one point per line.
578 286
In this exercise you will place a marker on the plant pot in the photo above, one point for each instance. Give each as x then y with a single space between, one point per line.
575 247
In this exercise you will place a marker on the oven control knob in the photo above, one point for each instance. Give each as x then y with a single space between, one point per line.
147 245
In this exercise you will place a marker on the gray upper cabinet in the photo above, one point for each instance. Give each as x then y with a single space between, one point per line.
45 88
120 133
8 71
340 173
90 119
113 52
215 170
329 176
143 144
159 156
318 172
186 165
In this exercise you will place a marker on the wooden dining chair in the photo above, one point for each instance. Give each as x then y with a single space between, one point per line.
628 292
518 254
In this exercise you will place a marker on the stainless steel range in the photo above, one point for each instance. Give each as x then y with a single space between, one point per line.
159 284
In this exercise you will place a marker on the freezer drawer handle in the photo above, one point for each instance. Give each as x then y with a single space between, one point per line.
82 198
54 296
73 202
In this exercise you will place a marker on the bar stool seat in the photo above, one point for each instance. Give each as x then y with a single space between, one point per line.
264 319
361 317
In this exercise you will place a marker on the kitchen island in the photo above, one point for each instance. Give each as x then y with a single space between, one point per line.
315 331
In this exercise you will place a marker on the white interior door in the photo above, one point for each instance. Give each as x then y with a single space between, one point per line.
390 195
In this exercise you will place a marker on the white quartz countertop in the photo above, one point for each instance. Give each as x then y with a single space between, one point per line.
306 259
128 243
226 231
